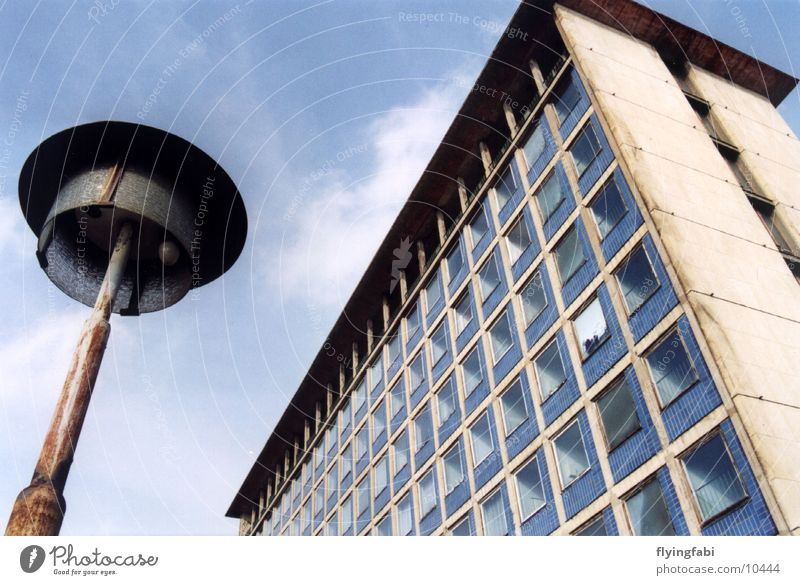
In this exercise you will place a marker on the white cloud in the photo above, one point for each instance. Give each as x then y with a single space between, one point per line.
334 235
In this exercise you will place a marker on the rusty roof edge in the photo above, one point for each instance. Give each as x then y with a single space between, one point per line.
783 84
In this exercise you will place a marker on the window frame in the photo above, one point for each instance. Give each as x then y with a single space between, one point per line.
454 450
521 221
498 492
552 175
441 328
437 396
536 369
531 461
475 350
436 278
416 310
637 490
575 140
491 259
508 170
594 299
475 461
506 316
417 358
536 127
613 385
572 228
640 247
596 196
429 474
466 297
685 475
588 468
662 339
480 211
457 247
516 382
536 273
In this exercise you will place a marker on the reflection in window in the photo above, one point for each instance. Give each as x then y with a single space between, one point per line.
515 410
648 512
571 454
500 337
453 469
533 298
535 145
569 255
506 186
463 310
530 488
549 370
585 148
438 344
518 240
495 522
549 196
481 436
618 413
489 277
479 227
608 208
591 328
473 371
565 98
715 482
446 401
636 279
671 367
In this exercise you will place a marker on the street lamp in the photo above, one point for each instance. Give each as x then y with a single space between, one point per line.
129 218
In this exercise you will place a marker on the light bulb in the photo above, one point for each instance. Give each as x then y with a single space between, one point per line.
168 252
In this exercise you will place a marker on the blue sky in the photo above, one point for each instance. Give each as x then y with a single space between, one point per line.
325 114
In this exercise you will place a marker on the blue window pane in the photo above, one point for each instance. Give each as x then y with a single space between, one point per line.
565 98
495 522
637 281
453 470
423 429
515 411
530 489
714 479
585 149
481 439
549 196
500 337
549 370
535 145
571 454
479 227
648 512
489 277
446 401
595 528
569 255
505 187
608 208
473 372
455 260
671 367
518 240
618 414
533 298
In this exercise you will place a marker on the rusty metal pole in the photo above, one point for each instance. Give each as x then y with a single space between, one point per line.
39 508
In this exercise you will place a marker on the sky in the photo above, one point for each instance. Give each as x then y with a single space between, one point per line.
324 113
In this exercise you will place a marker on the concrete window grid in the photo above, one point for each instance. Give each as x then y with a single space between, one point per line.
496 232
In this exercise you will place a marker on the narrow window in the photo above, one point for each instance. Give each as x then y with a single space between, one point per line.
427 494
591 328
515 411
405 516
505 187
481 436
648 512
385 526
585 148
360 395
618 414
400 452
362 496
530 489
376 372
569 255
571 454
489 277
455 261
463 310
495 522
500 337
446 402
433 291
453 469
533 298
549 370
347 514
416 373
596 527
565 99
473 371
423 429
714 479
379 421
413 321
439 343
479 227
636 279
549 196
608 208
381 473
398 398
671 367
535 145
518 240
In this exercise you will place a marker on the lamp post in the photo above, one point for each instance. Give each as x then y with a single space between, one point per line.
128 218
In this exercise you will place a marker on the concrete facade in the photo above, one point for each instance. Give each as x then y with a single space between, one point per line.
404 438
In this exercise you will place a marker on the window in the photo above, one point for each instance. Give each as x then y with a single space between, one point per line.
398 395
455 261
505 187
416 372
479 227
618 414
439 343
362 443
378 421
481 436
376 372
384 527
591 328
461 529
494 515
515 411
489 277
585 148
648 512
535 145
413 322
671 367
333 481
473 371
530 489
360 396
549 370
596 527
347 462
446 401
463 311
318 455
500 337
433 291
381 473
405 516
608 208
766 213
333 526
347 514
636 279
362 497
427 494
453 470
393 348
400 449
569 255
307 514
713 477
423 429
549 196
571 454
533 298
565 99
518 240
319 499
330 441
347 416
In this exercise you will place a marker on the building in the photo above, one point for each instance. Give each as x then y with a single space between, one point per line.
586 318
